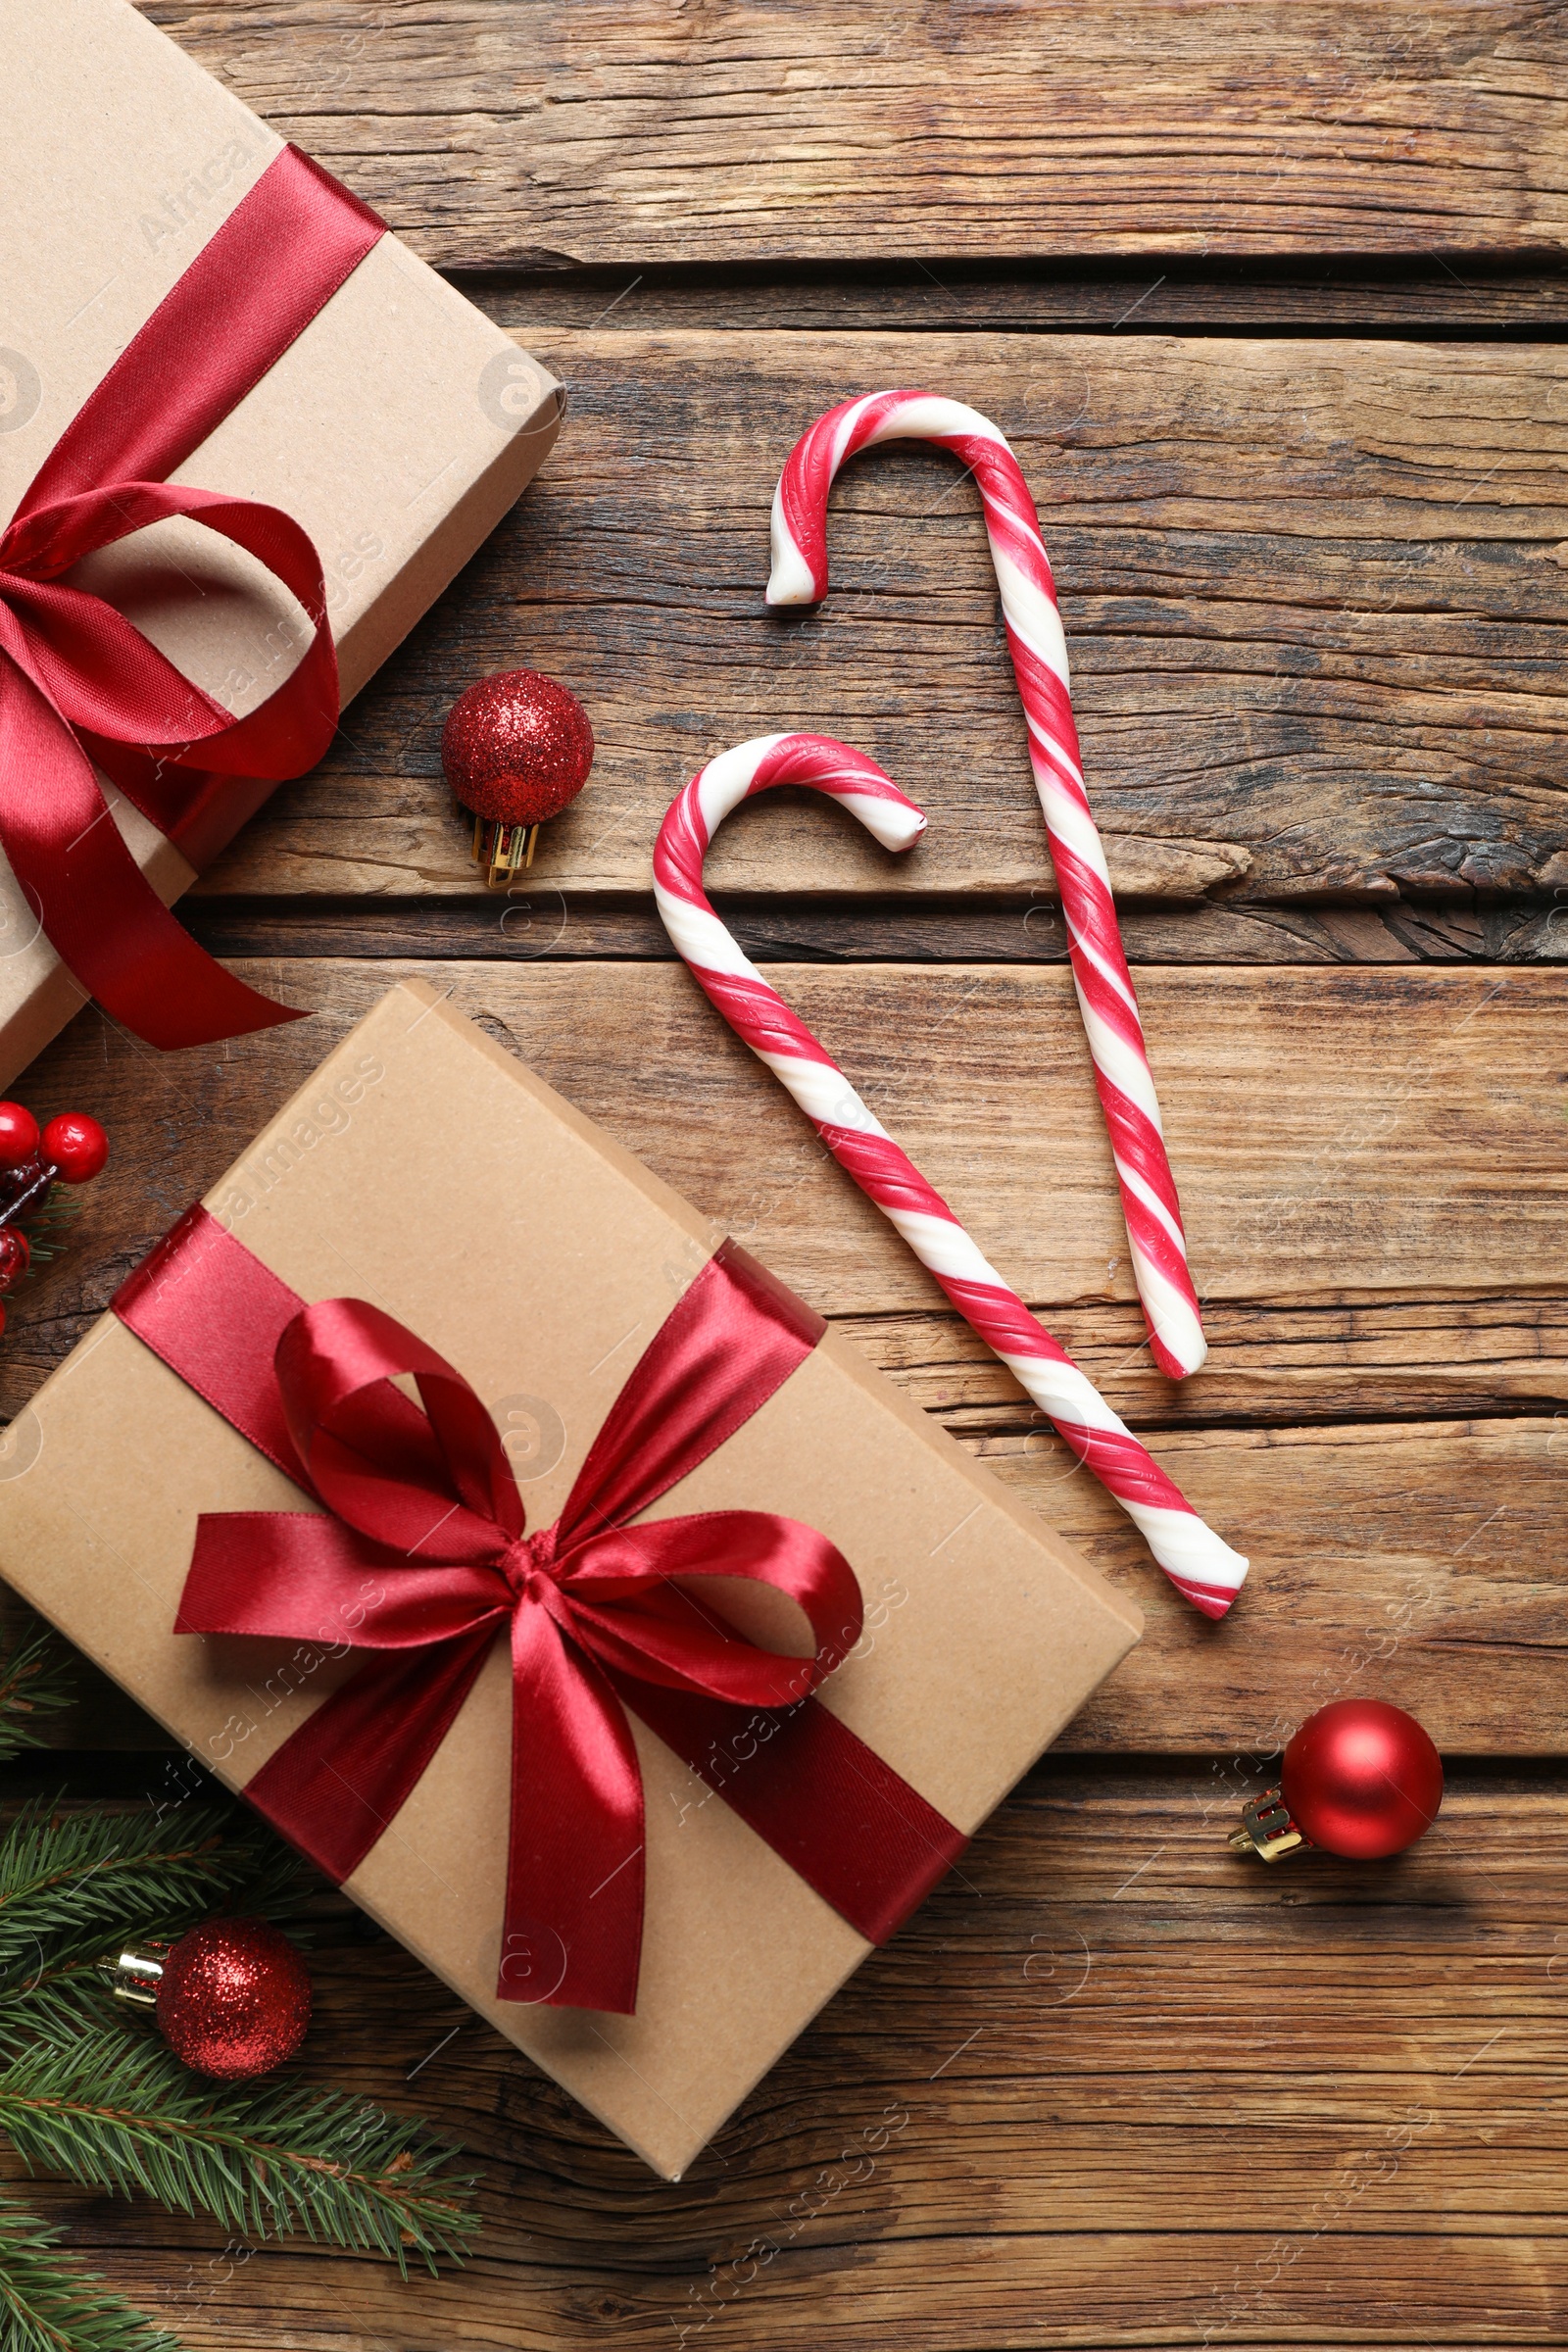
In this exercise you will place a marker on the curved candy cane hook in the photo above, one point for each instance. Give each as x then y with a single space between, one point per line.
1106 995
1199 1565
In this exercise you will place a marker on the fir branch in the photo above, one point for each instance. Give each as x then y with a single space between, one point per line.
36 1679
47 2305
123 2114
86 1877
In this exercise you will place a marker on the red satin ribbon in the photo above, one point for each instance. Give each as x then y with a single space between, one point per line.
78 683
421 1556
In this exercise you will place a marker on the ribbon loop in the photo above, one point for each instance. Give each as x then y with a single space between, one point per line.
79 683
433 1484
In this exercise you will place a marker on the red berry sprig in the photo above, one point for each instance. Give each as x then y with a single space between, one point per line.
72 1149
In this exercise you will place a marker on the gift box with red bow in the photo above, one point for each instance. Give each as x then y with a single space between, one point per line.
559 1585
246 437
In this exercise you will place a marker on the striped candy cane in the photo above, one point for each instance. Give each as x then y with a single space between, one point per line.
1191 1556
1106 995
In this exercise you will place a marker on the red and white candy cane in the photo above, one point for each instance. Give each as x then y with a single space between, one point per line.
1106 995
1192 1556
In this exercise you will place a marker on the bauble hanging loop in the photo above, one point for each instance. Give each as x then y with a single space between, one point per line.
515 749
1360 1779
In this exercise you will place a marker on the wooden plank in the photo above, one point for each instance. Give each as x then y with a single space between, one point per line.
1104 2287
1381 1554
1112 2085
1315 594
627 131
1338 1135
1422 1563
1394 1136
1443 1359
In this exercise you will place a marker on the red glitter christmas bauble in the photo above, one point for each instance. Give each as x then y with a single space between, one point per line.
76 1144
1363 1779
516 748
234 1999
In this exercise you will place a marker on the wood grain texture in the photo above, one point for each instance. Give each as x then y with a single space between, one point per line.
1445 1357
1110 2087
1423 1564
1315 595
628 131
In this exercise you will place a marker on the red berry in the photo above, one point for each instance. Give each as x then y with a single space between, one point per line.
76 1144
19 1135
14 1251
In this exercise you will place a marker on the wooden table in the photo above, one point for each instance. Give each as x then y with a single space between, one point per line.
1269 298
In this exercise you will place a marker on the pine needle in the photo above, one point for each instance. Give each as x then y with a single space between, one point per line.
122 2114
36 1679
47 2305
49 1225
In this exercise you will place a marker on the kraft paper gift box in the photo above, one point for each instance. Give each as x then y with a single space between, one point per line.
539 1265
396 429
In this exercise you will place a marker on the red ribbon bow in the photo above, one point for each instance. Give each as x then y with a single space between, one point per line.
422 1554
78 683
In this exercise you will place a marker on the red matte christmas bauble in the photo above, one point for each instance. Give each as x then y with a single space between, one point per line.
19 1135
234 1999
1363 1779
76 1144
516 748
